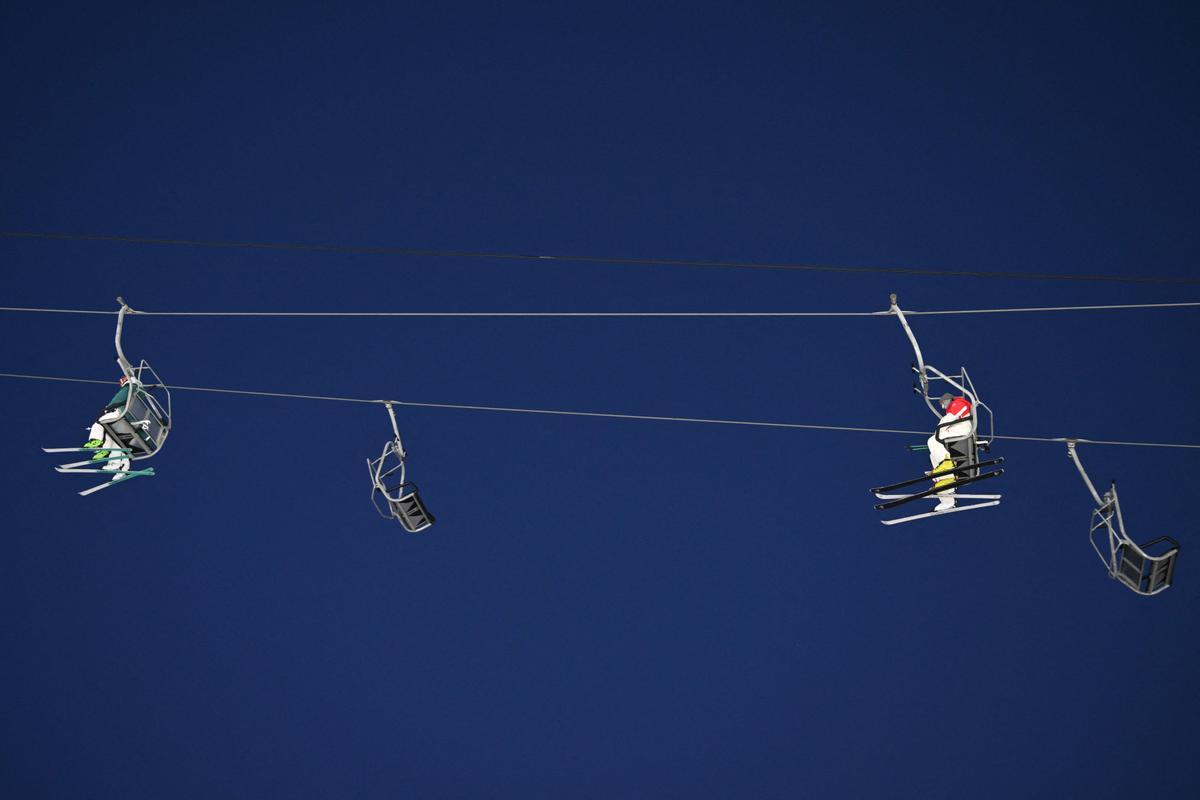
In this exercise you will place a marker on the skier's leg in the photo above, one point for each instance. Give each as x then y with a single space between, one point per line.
939 459
96 437
937 452
117 465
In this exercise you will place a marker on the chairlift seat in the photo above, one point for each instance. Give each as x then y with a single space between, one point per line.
140 426
408 508
964 452
1145 573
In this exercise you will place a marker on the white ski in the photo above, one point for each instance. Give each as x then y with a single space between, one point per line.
120 478
934 497
927 514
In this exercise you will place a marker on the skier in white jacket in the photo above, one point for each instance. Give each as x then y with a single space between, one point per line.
98 436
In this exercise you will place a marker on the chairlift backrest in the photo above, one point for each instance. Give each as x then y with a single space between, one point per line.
1143 573
965 449
409 510
139 423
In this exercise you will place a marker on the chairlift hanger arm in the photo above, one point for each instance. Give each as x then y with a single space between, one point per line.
895 309
920 368
1074 456
126 367
395 429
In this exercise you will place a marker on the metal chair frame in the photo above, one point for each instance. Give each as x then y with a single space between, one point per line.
406 507
964 448
144 421
139 425
1126 561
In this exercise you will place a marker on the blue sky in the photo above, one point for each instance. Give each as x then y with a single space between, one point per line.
605 608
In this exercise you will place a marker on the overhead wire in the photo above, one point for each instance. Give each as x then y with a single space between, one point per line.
583 314
604 415
589 259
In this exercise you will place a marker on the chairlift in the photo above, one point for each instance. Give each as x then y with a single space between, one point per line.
400 500
137 420
964 447
1148 568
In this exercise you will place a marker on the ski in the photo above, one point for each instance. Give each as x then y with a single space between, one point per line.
934 490
125 476
957 496
101 471
927 514
75 465
932 475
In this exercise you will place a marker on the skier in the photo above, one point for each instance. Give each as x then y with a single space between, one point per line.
955 408
99 437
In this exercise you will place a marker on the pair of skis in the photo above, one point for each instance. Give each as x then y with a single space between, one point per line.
978 500
94 466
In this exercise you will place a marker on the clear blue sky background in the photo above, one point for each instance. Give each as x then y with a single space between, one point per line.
605 608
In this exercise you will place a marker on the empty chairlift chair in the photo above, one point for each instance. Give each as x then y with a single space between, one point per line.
392 494
1148 568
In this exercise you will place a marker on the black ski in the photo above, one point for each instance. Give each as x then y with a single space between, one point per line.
932 475
935 490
